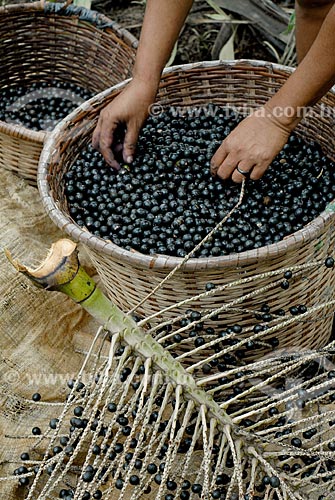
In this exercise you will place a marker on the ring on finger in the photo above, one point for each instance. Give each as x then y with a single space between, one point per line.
243 172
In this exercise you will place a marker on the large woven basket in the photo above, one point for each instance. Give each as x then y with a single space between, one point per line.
130 276
54 42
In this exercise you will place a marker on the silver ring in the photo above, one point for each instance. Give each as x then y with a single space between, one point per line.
242 172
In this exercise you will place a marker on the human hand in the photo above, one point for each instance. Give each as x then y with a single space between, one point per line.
126 114
251 147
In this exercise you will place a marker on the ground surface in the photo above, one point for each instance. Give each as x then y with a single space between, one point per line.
197 37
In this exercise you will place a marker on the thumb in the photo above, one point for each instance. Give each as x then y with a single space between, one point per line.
130 140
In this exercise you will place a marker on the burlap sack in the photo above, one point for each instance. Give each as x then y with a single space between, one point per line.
43 335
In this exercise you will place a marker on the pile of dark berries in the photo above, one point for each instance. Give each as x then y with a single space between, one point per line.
41 105
167 201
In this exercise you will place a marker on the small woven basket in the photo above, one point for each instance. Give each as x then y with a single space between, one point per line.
130 276
49 42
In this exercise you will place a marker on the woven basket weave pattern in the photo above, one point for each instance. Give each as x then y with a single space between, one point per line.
128 277
48 43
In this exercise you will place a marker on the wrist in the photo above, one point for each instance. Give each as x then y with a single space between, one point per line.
147 90
149 81
284 116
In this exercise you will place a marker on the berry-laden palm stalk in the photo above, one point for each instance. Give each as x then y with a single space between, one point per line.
141 423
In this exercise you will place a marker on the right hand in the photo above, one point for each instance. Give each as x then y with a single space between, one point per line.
251 146
129 110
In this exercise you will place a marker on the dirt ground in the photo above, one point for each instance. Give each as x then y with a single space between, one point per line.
196 40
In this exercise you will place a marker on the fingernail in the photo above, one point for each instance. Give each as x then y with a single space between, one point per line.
129 159
112 163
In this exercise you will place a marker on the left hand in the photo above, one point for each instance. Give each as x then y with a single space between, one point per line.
251 146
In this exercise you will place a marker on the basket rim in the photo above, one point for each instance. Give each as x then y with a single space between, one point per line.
38 136
158 261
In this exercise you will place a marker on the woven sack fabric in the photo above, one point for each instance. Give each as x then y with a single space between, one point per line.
42 335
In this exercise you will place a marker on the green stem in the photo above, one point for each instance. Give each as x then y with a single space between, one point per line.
62 272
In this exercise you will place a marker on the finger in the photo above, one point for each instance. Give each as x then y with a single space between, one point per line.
96 135
105 144
258 171
108 155
129 144
218 158
242 166
227 167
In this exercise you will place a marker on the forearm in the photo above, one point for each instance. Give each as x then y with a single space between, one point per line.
309 18
313 78
162 23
